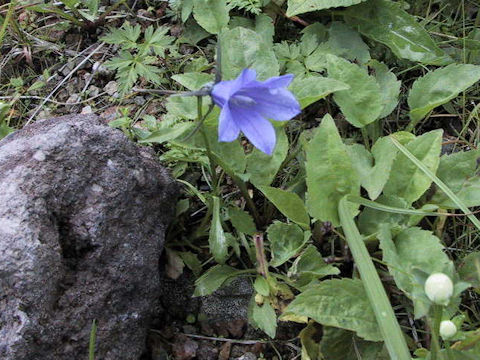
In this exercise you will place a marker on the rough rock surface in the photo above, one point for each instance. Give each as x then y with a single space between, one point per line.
83 213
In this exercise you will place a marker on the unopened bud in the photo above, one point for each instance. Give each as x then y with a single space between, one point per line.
439 288
447 329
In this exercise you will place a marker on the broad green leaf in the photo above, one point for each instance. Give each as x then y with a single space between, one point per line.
193 80
347 43
459 171
389 86
373 177
362 103
288 203
296 7
5 130
341 303
213 279
261 286
309 266
262 167
439 87
339 344
385 22
469 269
330 173
312 36
370 219
187 8
406 179
241 220
243 48
212 15
217 242
264 317
414 250
310 89
286 240
191 260
182 107
167 134
264 27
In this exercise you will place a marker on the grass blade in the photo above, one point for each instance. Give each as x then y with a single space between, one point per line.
93 338
438 182
389 327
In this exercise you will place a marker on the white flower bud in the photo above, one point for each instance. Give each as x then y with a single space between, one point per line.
447 329
439 288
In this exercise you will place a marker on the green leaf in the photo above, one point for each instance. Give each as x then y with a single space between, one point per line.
309 338
373 178
459 171
389 86
311 88
157 40
193 80
339 344
296 7
167 134
288 203
362 103
261 286
212 15
126 36
370 219
242 221
262 167
414 249
469 269
264 317
330 173
406 179
384 21
217 241
341 303
187 8
347 43
309 266
243 48
286 240
191 260
213 279
439 87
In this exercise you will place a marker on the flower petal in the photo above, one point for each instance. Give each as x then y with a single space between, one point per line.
227 128
222 91
256 128
278 81
274 103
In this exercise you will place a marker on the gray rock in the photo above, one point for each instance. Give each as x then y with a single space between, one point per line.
83 213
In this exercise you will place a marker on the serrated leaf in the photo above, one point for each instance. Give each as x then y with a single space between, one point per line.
157 41
385 21
296 7
341 344
213 279
439 87
262 167
341 303
406 179
212 15
217 242
389 86
286 240
244 48
288 203
310 89
126 36
193 80
330 173
414 250
265 318
362 103
242 221
460 172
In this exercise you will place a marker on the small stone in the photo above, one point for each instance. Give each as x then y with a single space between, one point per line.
87 110
184 348
100 69
74 98
111 88
139 100
247 356
93 91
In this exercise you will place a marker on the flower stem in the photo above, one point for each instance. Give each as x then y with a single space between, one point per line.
213 172
437 318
